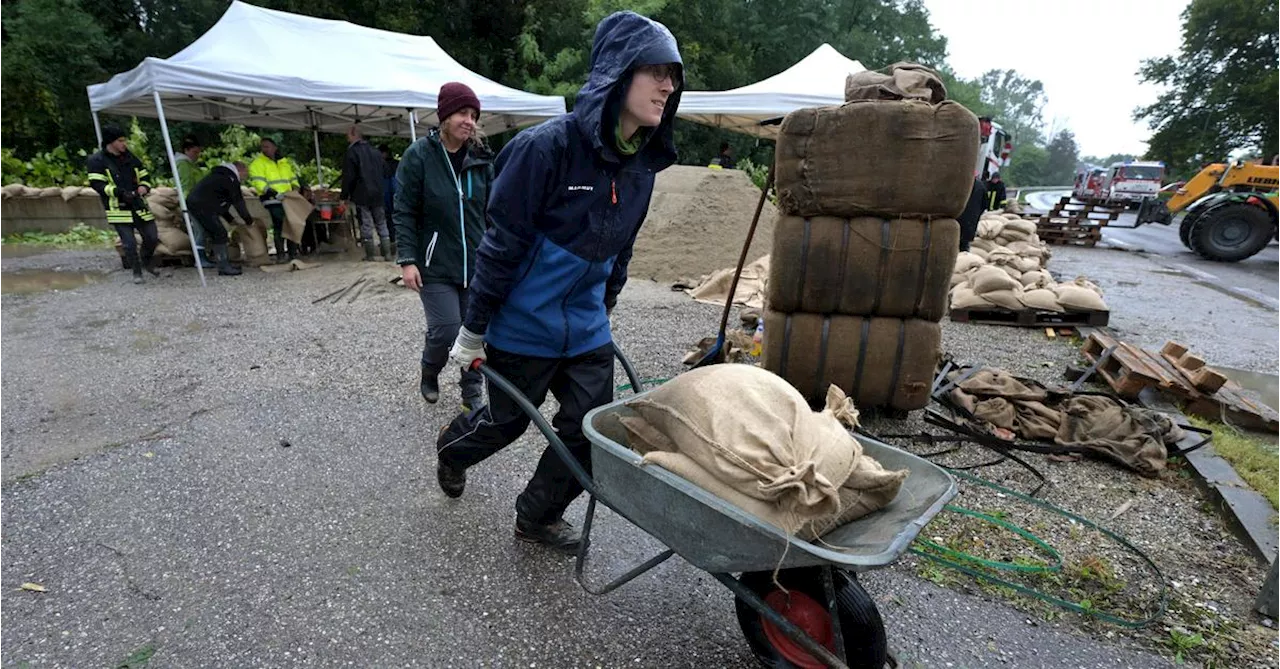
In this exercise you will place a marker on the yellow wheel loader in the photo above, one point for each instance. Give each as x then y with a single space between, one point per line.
1229 210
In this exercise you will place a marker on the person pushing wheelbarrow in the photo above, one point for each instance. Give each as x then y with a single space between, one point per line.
564 209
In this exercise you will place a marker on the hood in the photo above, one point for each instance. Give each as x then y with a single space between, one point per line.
231 167
182 158
477 150
624 41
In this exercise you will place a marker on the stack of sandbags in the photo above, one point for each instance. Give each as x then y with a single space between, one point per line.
65 192
1005 269
866 238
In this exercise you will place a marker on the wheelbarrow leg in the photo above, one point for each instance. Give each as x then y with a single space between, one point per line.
621 580
753 600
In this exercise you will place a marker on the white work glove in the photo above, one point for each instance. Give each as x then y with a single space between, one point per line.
467 348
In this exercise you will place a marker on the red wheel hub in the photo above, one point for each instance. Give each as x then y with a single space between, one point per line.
806 613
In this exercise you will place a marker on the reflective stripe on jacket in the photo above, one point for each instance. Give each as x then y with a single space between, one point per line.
116 179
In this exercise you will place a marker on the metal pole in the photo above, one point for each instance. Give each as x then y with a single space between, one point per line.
177 182
97 127
413 130
315 135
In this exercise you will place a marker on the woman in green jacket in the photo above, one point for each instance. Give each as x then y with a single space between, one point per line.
190 173
442 187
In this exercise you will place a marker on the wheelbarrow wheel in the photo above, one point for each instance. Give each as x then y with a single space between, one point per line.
860 624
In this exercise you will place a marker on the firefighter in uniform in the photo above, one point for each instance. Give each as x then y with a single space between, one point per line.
121 181
270 176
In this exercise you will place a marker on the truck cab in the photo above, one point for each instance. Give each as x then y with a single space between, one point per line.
995 148
1131 182
1087 183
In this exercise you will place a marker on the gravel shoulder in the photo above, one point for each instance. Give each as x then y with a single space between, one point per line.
238 473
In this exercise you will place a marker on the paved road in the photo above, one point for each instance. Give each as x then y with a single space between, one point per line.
261 493
1253 278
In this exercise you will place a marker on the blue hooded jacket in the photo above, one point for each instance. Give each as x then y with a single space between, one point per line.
565 207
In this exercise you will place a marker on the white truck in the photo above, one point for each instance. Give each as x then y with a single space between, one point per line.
1131 182
995 150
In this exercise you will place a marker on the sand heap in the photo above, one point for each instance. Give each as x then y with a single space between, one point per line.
697 221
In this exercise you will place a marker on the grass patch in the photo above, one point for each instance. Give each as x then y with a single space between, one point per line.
80 236
1252 458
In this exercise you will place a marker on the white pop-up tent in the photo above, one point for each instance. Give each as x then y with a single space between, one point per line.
270 69
816 81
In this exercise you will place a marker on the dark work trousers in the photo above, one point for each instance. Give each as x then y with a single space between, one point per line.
445 304
277 229
211 223
150 239
579 384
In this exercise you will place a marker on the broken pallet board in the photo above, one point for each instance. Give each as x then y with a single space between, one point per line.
1030 318
1129 369
1205 379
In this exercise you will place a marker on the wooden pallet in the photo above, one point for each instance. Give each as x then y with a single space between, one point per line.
1030 318
1192 367
1129 369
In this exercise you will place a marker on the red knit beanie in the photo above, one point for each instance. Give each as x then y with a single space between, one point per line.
453 97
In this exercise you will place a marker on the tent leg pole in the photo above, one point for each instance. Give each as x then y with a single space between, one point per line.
413 129
97 128
177 182
315 136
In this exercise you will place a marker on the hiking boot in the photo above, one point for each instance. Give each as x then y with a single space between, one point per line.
136 266
559 535
452 481
429 386
368 252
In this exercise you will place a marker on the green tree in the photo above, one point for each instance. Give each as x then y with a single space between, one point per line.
1028 166
1061 157
1017 103
1222 86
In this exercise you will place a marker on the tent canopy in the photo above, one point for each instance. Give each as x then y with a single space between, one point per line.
816 81
272 69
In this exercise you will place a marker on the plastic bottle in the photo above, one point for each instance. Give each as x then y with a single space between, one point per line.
758 338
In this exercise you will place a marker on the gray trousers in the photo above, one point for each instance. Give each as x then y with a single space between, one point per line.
370 218
444 305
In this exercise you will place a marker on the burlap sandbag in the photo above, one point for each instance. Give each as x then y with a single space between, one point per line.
981 253
900 81
749 429
907 158
1008 299
1001 255
1025 249
253 239
990 228
1037 279
174 239
1010 235
991 278
159 210
69 193
12 190
879 362
862 266
960 278
1020 224
51 191
296 211
1042 299
1085 283
28 191
966 261
963 297
1078 298
1026 264
983 244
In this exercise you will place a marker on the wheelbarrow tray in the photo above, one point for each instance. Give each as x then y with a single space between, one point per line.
717 536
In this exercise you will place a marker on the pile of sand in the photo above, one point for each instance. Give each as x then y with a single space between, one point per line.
697 222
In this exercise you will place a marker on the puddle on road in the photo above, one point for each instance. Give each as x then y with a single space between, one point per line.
23 250
24 282
1266 386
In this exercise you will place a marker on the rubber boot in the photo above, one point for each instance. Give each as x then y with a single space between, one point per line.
203 261
281 258
368 251
385 247
137 269
429 386
149 264
225 268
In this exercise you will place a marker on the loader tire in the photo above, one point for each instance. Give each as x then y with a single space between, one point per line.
1184 228
1231 232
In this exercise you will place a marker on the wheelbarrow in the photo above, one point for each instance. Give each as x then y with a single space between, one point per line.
821 617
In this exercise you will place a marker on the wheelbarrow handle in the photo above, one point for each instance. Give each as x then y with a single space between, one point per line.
501 383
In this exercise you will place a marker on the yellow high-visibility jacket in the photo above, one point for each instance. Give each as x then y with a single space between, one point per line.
277 175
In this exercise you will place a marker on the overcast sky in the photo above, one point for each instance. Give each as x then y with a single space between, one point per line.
1086 52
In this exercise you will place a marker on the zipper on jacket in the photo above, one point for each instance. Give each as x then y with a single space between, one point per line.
462 221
